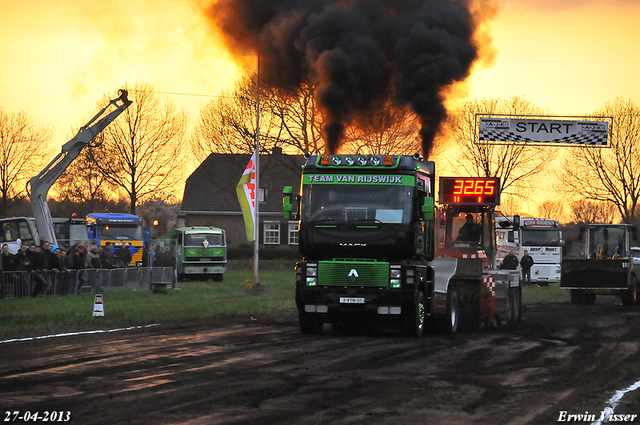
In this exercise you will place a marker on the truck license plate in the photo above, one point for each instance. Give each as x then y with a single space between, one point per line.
351 300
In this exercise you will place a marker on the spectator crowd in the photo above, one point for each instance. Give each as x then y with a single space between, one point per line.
41 264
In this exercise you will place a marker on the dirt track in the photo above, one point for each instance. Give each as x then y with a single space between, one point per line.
560 358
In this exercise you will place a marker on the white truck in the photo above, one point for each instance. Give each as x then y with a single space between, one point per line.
541 237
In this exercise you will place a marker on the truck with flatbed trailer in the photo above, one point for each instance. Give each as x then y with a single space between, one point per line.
606 266
367 232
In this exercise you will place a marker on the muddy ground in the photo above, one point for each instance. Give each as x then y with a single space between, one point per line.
262 370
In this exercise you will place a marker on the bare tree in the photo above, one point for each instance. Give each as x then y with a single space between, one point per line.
83 183
551 209
160 216
228 123
142 151
584 211
388 129
298 117
515 163
609 175
24 148
511 205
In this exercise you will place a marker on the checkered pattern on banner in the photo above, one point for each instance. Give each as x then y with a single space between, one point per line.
490 283
496 135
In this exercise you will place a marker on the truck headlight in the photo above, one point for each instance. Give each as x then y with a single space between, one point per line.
395 274
312 274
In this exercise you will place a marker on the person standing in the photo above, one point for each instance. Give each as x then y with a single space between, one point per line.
168 258
93 257
510 262
79 262
526 262
8 267
124 255
36 259
106 256
23 265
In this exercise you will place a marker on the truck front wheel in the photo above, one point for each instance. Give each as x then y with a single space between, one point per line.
416 321
449 323
310 324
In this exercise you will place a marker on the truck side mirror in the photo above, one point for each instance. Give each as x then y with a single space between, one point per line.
428 209
287 206
516 222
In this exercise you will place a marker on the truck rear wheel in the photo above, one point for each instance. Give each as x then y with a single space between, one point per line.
577 297
630 297
449 323
310 324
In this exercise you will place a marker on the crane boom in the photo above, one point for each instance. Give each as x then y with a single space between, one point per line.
41 183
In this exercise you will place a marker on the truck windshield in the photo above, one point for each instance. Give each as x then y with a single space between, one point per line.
541 237
610 240
198 240
14 229
344 203
120 231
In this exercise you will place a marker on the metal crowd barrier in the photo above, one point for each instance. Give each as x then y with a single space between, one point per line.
20 284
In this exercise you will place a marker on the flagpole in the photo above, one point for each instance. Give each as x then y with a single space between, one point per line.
256 228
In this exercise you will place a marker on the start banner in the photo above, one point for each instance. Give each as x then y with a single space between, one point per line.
525 130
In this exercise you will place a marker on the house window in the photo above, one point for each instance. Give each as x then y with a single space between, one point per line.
293 233
262 193
271 233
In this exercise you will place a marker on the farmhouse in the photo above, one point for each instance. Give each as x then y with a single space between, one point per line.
210 197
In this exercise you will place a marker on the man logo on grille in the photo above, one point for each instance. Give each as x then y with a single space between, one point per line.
353 276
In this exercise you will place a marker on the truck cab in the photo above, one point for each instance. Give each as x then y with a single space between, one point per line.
201 251
540 237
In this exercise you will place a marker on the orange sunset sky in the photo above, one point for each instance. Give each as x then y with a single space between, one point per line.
60 57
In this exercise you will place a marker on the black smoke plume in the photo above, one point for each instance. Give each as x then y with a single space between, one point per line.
358 52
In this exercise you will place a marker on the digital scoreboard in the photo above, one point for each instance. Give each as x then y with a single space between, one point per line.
470 190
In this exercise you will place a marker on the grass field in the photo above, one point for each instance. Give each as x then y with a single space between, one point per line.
545 294
194 300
